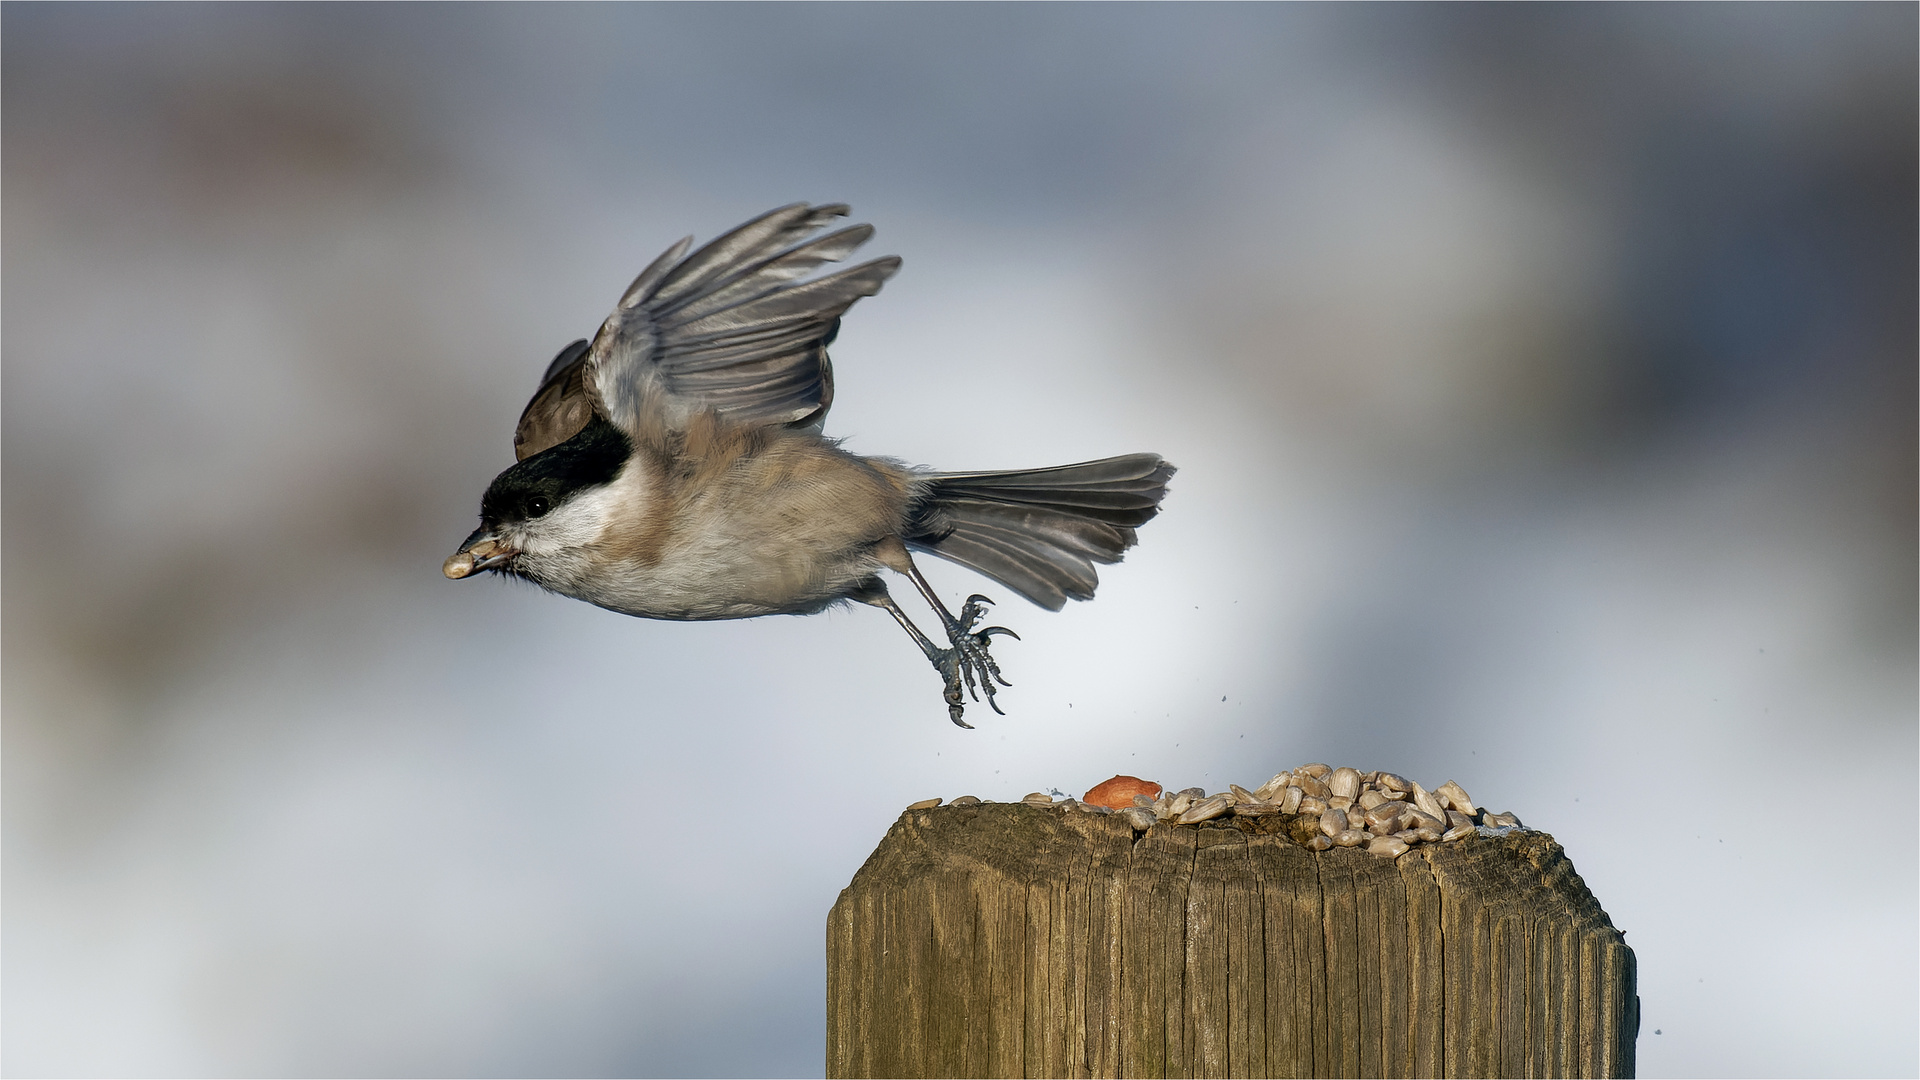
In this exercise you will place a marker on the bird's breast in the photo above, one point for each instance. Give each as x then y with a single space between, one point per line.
787 528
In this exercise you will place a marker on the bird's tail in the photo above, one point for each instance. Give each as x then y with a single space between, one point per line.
1039 531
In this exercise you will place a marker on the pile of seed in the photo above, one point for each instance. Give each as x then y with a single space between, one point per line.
1341 807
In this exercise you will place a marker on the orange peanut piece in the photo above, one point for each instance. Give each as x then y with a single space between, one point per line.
1118 792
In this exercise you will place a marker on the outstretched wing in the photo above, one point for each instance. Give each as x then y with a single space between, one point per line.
728 328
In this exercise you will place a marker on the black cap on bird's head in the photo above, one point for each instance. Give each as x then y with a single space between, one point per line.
532 488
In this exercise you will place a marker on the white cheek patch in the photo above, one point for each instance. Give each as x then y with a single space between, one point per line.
572 524
579 521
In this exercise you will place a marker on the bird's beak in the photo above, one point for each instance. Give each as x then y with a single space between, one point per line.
482 551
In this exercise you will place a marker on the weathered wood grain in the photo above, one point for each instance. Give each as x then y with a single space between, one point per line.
1012 940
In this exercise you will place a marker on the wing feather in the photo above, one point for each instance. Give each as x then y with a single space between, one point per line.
560 409
722 352
819 301
758 281
762 236
731 327
655 270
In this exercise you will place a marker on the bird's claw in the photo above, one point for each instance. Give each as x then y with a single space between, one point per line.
968 664
956 706
971 611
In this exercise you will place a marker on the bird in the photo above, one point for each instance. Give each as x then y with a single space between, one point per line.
674 466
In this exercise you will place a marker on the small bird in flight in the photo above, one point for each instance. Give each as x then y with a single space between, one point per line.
674 467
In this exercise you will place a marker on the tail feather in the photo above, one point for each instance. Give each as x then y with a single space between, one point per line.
1017 569
1071 532
1118 507
1039 531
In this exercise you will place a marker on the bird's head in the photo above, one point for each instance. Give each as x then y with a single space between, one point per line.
547 505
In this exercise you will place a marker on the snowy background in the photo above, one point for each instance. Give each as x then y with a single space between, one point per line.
1542 381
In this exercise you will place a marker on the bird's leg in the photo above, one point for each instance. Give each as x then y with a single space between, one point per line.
945 661
969 645
967 663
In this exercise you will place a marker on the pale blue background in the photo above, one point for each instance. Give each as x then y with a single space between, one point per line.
1541 379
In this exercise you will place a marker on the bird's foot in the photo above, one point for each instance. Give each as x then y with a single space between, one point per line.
968 664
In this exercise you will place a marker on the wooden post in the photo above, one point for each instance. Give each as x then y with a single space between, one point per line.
1017 940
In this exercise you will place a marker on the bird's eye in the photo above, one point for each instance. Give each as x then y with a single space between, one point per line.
538 506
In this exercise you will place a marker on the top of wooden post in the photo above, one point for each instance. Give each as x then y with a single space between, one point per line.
1014 939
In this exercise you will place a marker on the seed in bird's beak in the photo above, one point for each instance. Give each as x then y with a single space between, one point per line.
480 552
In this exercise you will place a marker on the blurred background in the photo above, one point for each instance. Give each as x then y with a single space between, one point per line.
1542 381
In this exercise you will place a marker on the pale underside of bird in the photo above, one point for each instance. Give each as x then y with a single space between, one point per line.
673 467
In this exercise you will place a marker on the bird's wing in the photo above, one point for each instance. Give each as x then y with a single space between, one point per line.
728 328
559 409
